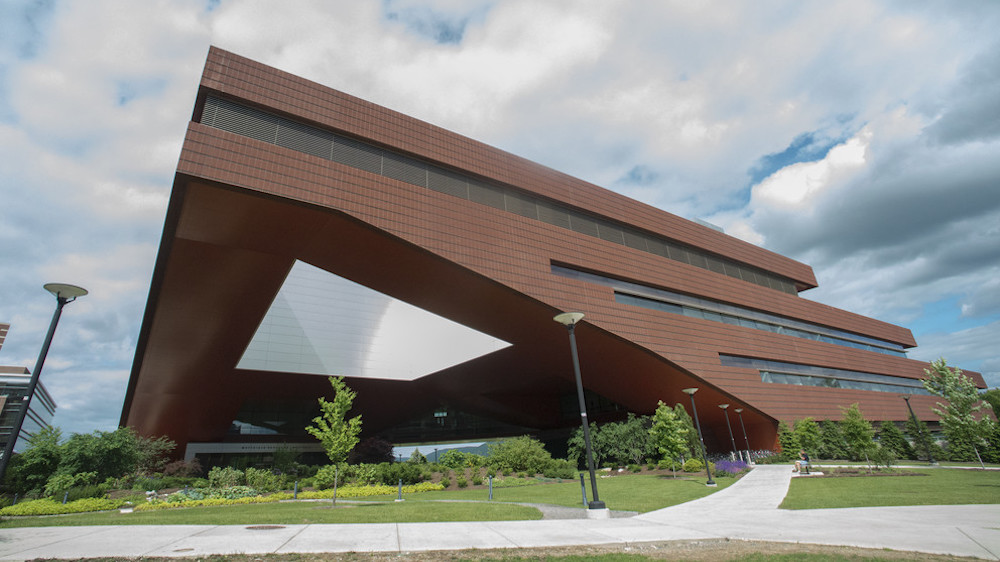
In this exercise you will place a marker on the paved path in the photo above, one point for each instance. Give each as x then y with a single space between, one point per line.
745 510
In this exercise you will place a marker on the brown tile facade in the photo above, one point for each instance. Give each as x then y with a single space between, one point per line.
243 210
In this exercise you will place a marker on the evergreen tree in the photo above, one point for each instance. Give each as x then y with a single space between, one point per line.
788 442
807 435
967 434
891 438
858 434
669 433
832 444
918 432
337 433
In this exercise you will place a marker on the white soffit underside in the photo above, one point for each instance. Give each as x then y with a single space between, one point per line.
322 324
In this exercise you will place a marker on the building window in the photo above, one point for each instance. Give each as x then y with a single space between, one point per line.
780 372
644 296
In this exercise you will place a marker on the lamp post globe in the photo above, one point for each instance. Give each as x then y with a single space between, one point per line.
570 319
64 293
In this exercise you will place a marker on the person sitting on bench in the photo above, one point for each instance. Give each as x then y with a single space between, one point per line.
802 465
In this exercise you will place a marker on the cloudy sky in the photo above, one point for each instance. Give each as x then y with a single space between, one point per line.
860 137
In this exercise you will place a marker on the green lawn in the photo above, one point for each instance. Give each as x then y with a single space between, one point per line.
630 492
292 513
626 493
937 486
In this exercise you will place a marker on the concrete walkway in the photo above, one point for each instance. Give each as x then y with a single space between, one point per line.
746 510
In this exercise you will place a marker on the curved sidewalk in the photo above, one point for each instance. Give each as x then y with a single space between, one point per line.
746 510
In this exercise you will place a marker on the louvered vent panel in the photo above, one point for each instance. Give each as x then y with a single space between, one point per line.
716 265
553 215
610 233
357 154
732 270
486 194
658 248
678 253
584 225
305 139
209 112
444 181
245 121
635 240
403 168
520 205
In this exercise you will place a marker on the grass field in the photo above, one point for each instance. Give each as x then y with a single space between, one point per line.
931 487
630 492
626 493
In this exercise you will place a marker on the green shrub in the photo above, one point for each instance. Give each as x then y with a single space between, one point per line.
264 480
59 484
445 483
362 473
327 476
560 468
461 482
477 480
88 491
455 459
392 473
668 464
693 465
50 507
226 477
634 468
513 482
491 473
522 453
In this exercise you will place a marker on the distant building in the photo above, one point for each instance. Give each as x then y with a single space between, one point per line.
312 233
13 389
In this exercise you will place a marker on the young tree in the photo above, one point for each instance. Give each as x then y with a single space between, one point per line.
924 447
966 434
831 441
108 453
858 433
337 433
891 438
669 433
626 441
808 435
31 469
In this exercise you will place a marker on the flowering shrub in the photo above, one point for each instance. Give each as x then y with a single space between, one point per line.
50 507
732 468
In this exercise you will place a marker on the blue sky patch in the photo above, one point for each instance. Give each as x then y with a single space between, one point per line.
425 21
128 90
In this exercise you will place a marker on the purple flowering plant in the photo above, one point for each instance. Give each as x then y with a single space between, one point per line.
732 468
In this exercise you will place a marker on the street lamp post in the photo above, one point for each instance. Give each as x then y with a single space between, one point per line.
725 412
916 423
569 319
64 294
704 454
739 414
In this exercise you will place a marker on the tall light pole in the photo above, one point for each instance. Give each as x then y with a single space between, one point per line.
64 294
725 412
916 423
739 414
704 454
569 319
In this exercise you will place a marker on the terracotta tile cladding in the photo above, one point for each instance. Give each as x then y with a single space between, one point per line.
339 111
243 211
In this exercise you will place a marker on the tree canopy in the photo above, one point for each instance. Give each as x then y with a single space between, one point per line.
337 434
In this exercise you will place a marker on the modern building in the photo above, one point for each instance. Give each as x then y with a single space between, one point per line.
14 383
311 233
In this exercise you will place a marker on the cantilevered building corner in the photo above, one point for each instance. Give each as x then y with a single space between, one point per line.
312 233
